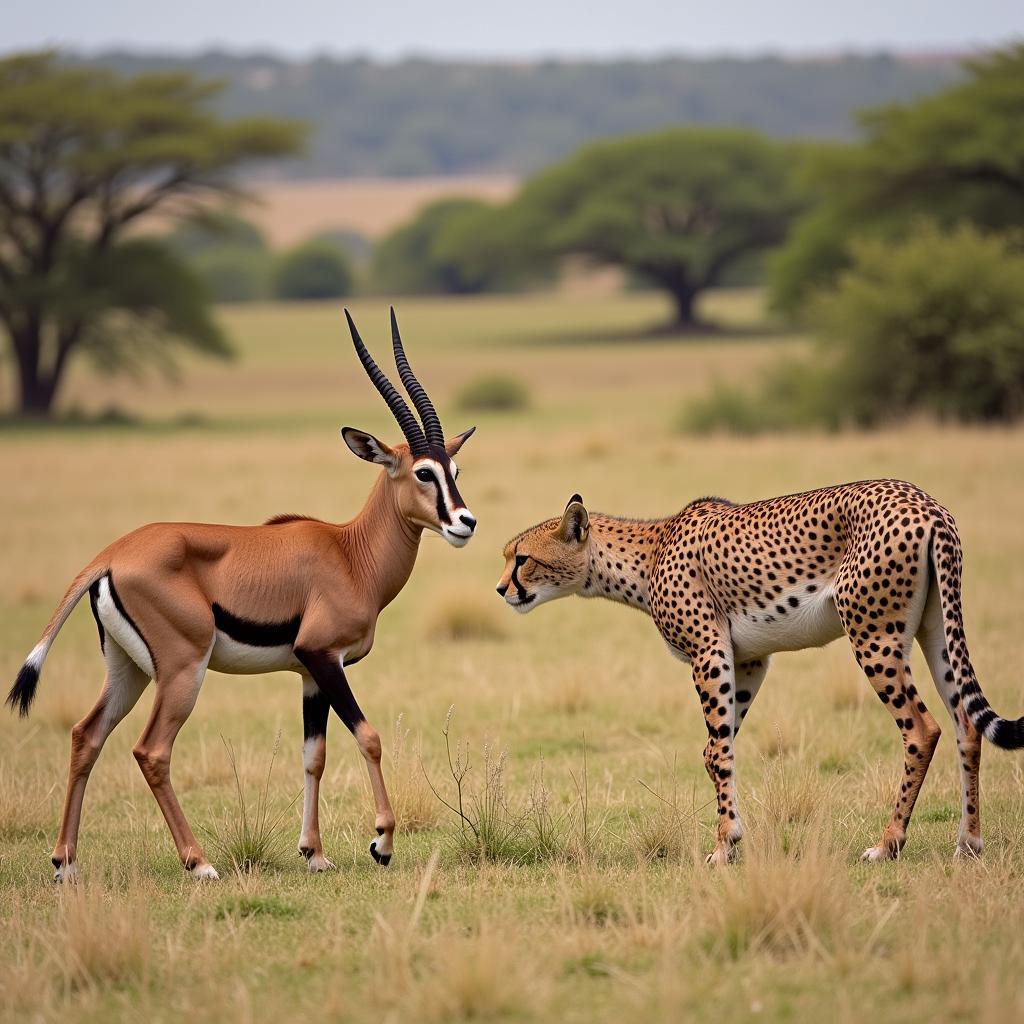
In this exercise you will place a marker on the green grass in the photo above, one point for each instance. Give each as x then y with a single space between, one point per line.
627 924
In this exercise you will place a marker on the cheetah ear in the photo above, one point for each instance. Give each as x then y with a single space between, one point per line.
575 524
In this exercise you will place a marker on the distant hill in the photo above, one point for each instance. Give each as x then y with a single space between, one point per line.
420 117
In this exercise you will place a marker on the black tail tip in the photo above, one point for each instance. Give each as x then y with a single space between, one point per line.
1009 733
23 691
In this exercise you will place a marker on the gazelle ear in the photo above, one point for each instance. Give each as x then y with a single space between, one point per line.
453 444
367 447
575 525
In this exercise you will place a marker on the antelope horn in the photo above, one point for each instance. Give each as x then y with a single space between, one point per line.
431 422
396 403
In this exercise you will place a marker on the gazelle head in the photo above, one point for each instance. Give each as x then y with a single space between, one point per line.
421 472
548 561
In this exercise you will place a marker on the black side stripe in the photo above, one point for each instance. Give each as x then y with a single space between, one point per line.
131 622
256 634
94 597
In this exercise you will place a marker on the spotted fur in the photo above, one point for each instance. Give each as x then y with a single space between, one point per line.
729 585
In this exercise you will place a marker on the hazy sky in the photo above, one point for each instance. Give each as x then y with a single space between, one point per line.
523 28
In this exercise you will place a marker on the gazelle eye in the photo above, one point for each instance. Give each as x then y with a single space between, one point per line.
425 475
455 470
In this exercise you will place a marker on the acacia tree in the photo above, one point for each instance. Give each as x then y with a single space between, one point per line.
679 208
84 154
956 156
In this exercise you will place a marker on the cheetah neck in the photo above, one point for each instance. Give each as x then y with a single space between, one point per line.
621 555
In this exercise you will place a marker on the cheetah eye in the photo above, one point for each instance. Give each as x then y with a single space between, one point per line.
522 559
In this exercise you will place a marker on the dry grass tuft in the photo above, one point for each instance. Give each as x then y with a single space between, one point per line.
99 940
779 904
791 799
668 830
458 617
252 835
570 694
415 806
23 811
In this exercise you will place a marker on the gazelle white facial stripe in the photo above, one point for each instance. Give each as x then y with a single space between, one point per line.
440 481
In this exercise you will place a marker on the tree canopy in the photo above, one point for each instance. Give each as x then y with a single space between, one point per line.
678 208
453 246
954 156
84 154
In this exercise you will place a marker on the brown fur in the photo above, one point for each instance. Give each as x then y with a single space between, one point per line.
332 580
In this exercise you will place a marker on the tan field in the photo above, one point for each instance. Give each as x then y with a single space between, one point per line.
289 212
590 901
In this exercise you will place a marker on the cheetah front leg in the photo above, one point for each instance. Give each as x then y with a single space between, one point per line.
714 680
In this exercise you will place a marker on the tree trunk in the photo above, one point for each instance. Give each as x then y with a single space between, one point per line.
685 299
36 387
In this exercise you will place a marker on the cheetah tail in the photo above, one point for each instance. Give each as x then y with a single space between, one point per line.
946 559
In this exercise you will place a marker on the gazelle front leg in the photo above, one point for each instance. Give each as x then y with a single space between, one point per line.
315 710
326 671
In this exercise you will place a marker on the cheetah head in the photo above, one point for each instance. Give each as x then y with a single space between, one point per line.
547 561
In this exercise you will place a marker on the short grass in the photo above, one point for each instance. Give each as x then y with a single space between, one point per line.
611 915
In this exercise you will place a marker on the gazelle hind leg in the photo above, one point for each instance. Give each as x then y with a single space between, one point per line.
932 640
176 693
123 686
315 710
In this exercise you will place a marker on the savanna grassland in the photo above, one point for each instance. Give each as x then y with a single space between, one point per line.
587 898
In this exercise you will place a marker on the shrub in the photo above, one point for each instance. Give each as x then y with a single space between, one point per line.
356 246
493 394
313 270
233 273
935 323
794 394
455 246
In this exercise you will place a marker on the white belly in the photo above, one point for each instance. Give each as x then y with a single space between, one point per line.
813 623
231 656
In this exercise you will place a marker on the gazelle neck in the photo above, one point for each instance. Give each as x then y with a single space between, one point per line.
621 555
383 543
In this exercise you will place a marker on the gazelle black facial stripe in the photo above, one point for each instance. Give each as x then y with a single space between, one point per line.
442 509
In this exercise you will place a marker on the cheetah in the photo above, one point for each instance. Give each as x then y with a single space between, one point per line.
730 585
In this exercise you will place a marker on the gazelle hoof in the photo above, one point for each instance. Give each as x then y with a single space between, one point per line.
204 872
383 859
318 862
66 874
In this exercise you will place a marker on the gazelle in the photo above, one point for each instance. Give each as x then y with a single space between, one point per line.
729 585
173 599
